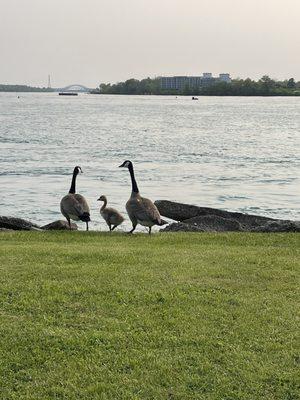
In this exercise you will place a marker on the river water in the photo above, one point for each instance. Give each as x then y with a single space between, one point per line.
233 153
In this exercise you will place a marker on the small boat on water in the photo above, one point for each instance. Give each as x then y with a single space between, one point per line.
68 94
194 98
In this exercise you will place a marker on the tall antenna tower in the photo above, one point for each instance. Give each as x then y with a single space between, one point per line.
49 82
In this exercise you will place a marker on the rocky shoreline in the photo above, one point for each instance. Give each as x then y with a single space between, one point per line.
203 219
19 224
189 218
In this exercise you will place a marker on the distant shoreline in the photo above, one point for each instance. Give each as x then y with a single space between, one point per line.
24 89
183 86
199 95
160 94
264 87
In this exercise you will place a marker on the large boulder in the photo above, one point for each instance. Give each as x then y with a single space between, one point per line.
204 219
177 211
182 212
59 226
17 224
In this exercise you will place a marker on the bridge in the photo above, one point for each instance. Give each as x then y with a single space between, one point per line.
75 87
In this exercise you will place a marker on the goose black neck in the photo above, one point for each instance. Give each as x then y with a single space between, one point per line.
73 184
133 181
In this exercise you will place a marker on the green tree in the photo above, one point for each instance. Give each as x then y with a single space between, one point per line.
291 84
266 84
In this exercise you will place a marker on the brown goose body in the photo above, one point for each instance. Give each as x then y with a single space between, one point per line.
111 216
74 206
140 209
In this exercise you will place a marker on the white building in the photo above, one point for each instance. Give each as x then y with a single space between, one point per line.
182 82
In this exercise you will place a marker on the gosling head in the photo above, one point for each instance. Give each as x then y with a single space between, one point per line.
102 198
126 164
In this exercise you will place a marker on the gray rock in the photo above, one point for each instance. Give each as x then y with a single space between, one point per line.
206 223
59 226
279 226
181 227
204 219
17 224
182 212
177 211
214 223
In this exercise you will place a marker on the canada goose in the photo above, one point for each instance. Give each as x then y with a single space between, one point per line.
140 210
111 216
74 206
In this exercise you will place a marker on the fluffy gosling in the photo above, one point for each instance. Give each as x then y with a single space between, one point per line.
110 215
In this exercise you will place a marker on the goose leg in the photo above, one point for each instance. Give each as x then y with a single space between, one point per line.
114 227
87 226
133 228
150 230
69 222
109 227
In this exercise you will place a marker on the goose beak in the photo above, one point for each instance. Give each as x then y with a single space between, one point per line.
120 166
98 199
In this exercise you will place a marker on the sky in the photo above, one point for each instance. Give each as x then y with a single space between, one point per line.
93 41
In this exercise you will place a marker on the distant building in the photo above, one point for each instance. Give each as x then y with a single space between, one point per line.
190 82
225 78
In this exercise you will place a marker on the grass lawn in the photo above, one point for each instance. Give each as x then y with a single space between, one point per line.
172 316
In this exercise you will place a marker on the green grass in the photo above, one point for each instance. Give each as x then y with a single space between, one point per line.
172 316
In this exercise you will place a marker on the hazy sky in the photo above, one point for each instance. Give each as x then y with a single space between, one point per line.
93 41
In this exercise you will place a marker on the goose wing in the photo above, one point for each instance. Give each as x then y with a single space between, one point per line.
144 210
82 203
73 205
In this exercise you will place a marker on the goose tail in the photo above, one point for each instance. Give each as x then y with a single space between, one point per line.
85 217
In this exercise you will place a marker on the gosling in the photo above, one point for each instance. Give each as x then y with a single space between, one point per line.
110 215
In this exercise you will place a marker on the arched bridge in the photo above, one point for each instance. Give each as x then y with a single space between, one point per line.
75 87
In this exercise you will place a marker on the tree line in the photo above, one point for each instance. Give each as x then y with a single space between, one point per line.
237 87
23 88
152 86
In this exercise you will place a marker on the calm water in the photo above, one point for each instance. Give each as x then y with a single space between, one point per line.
240 154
